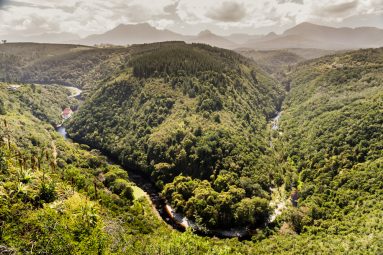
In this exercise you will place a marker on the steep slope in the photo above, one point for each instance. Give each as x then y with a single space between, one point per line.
47 184
332 140
190 115
145 33
58 197
366 37
171 100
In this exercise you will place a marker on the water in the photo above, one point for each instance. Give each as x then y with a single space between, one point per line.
158 203
274 126
275 121
173 219
62 131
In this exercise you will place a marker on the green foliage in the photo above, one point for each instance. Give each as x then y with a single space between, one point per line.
47 193
3 163
65 64
190 110
332 136
174 61
216 170
2 108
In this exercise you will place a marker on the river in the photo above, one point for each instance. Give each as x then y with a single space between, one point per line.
274 127
164 210
61 130
139 179
175 220
275 121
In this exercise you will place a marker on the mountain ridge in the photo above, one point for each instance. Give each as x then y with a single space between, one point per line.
303 35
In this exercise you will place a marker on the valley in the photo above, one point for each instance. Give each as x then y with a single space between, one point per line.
224 140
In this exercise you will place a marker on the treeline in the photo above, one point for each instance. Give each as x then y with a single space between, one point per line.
175 60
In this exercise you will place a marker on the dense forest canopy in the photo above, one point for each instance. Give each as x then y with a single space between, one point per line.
332 130
70 65
197 120
192 116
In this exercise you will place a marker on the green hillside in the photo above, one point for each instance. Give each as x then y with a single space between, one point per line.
197 120
71 65
274 62
331 138
190 115
59 197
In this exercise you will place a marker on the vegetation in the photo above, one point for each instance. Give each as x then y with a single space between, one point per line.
203 135
332 141
274 62
60 197
70 65
190 110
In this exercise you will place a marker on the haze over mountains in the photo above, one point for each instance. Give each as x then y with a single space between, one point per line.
304 35
307 35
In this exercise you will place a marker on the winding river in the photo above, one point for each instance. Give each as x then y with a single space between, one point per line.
164 210
138 178
175 220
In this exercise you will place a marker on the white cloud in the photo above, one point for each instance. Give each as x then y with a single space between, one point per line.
96 16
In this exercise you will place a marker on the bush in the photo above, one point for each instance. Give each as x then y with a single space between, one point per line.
2 108
47 193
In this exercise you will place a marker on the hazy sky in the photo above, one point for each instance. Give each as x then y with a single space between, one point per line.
84 17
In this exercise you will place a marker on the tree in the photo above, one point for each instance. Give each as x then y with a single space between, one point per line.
2 108
253 211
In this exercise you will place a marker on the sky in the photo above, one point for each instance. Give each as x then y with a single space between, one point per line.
85 17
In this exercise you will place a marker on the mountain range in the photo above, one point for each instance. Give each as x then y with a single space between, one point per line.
305 35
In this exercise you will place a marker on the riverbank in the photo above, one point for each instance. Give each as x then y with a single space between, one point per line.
163 210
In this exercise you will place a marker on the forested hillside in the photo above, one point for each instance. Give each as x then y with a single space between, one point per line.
274 62
194 117
70 65
197 120
332 138
59 197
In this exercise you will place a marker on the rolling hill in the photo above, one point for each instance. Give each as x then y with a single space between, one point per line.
192 115
65 64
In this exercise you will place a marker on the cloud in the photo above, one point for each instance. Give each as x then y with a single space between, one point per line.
228 12
86 17
339 8
290 1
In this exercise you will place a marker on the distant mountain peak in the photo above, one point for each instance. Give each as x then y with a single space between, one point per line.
306 24
206 32
303 35
307 27
137 26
